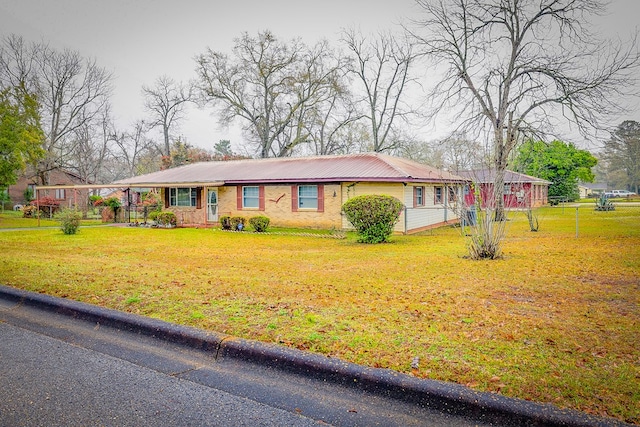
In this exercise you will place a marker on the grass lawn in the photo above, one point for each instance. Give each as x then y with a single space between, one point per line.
14 219
556 320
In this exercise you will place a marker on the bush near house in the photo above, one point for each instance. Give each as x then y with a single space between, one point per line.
237 222
373 216
69 220
259 223
225 222
47 204
30 212
167 219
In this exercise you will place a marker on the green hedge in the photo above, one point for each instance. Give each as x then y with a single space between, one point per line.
259 223
373 216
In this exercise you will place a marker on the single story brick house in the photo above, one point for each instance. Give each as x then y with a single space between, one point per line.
61 188
520 190
306 191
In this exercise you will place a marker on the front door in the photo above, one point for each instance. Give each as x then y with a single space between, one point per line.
212 204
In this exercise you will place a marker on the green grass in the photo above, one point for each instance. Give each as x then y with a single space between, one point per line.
556 320
14 219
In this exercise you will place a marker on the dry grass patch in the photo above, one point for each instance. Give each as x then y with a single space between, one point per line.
556 320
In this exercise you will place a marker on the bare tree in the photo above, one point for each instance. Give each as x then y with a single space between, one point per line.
17 63
270 85
136 152
513 68
165 101
71 90
459 152
89 149
382 69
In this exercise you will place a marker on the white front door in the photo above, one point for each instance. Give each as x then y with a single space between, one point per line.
212 204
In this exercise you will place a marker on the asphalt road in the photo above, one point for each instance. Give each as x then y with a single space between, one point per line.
56 370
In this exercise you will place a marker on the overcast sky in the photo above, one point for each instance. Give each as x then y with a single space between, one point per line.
139 40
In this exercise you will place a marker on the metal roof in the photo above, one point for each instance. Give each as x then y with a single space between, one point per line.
370 167
488 176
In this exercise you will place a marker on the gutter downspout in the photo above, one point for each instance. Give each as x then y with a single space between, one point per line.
446 200
406 222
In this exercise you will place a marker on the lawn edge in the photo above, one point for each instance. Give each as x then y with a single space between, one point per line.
447 397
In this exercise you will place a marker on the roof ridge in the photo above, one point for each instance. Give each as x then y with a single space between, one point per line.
390 161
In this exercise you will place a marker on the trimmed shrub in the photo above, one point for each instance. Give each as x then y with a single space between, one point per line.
237 222
259 223
69 220
373 216
167 219
225 222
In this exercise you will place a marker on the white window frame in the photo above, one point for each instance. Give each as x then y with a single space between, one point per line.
419 192
176 199
438 199
251 201
309 200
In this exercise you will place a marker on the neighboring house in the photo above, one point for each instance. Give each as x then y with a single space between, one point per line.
66 196
306 191
588 190
520 190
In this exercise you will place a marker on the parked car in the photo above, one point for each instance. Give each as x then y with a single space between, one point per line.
619 193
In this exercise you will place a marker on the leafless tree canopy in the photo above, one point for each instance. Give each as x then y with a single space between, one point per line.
72 91
515 68
165 101
381 66
272 86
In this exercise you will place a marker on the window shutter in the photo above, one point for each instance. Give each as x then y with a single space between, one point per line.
320 198
239 197
261 197
166 197
294 198
415 196
199 198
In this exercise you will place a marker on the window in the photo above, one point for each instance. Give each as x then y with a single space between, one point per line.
183 197
437 195
250 197
418 196
60 194
308 197
452 193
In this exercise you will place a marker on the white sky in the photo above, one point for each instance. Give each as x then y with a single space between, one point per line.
139 40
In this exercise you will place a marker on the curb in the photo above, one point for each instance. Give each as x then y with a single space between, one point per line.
437 395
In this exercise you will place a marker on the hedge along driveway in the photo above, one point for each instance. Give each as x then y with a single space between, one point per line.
556 320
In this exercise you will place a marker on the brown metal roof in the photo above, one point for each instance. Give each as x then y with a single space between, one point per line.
372 167
484 176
